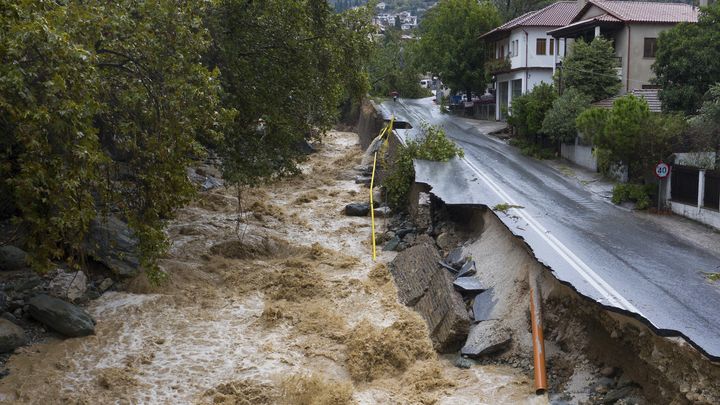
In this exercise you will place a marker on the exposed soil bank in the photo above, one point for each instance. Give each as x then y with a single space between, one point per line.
593 355
286 308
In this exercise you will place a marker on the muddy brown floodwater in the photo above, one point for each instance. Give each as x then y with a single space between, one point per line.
295 312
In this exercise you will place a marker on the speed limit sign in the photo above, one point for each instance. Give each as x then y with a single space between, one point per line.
662 170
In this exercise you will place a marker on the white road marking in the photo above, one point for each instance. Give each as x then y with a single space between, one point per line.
610 294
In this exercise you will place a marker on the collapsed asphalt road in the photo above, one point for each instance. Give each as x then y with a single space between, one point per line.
622 260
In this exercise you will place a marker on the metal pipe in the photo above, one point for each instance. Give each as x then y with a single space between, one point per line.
537 338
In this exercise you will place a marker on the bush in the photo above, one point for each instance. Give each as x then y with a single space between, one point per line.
533 150
640 194
432 145
528 111
559 122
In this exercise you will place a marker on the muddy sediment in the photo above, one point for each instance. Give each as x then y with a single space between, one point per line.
285 307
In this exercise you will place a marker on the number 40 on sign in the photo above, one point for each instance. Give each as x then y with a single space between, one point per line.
662 170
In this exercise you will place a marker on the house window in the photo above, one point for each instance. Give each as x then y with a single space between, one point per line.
650 47
552 46
540 48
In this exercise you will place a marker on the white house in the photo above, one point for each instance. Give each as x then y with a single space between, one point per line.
525 55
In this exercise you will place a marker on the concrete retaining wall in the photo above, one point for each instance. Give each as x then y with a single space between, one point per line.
704 215
579 154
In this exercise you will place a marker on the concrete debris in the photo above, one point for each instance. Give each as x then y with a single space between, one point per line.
63 317
12 258
468 269
486 338
420 208
392 244
443 241
455 258
11 336
362 180
447 267
484 305
357 209
429 291
382 212
468 285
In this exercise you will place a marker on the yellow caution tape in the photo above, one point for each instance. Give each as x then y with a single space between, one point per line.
386 131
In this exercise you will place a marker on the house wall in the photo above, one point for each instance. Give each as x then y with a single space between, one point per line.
534 77
640 67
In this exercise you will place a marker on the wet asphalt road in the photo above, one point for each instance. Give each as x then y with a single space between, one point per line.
618 258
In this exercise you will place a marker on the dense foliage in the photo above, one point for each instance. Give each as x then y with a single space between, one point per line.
432 144
510 9
528 111
640 194
393 67
590 68
630 134
686 65
103 105
284 88
705 127
559 122
449 45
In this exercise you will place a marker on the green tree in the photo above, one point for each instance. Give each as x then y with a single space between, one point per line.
631 134
590 68
392 67
705 126
286 67
685 65
528 111
102 105
449 43
559 122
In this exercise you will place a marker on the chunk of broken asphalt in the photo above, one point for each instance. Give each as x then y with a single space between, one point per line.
357 210
468 269
484 305
447 267
455 258
468 285
486 338
392 244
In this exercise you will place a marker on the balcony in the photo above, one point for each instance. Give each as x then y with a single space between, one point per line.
496 66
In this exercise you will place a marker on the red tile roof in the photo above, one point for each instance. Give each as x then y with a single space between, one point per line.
642 11
555 15
650 95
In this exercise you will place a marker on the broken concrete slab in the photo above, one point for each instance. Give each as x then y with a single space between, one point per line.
357 209
455 258
468 269
484 305
424 287
468 285
486 338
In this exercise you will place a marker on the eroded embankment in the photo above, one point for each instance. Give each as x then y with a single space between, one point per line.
287 307
593 354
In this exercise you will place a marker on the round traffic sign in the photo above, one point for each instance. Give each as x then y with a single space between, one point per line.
662 170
